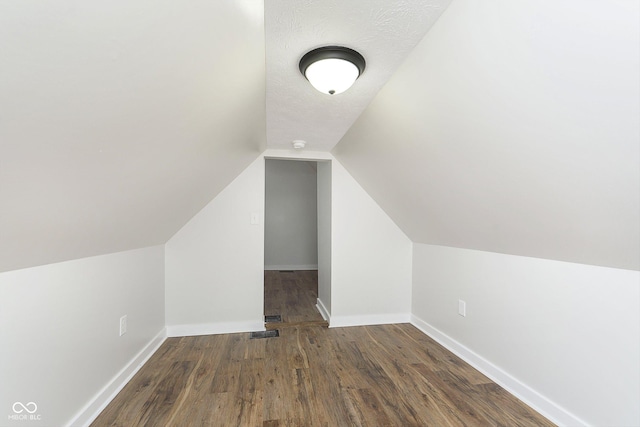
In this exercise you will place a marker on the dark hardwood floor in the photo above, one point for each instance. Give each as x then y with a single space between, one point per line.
389 375
293 295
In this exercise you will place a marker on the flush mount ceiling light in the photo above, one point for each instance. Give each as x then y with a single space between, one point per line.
332 69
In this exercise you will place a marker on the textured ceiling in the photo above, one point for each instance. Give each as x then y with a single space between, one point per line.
513 127
383 31
119 120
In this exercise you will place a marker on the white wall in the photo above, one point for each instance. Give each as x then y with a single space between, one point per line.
59 329
291 226
324 237
570 332
214 264
370 258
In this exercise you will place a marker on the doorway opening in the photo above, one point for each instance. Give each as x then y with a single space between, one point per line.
292 237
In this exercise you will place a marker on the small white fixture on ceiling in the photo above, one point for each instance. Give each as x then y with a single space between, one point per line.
332 69
298 144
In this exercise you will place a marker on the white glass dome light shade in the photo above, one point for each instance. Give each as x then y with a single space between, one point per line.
332 76
332 69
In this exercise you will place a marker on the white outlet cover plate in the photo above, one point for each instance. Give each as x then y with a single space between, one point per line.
462 308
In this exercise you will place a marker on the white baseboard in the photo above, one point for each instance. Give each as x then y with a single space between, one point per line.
369 319
291 267
535 400
100 401
214 328
323 310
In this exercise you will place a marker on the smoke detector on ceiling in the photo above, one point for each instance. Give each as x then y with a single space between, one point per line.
299 144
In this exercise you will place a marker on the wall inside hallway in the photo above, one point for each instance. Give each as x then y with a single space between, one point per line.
291 226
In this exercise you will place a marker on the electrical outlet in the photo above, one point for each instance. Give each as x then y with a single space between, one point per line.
462 308
123 325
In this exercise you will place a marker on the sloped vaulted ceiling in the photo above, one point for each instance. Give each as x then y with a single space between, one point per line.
513 127
119 120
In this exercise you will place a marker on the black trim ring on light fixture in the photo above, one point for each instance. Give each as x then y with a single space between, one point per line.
329 52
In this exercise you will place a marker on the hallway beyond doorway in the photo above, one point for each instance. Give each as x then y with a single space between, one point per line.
293 296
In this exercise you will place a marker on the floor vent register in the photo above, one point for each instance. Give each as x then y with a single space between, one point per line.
273 318
265 334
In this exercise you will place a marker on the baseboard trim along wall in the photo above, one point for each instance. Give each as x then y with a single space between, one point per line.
323 310
535 400
291 267
92 409
368 319
214 328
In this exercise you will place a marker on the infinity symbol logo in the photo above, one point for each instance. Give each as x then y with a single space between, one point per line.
30 407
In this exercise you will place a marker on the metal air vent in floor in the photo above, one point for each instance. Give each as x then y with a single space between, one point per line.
265 334
273 318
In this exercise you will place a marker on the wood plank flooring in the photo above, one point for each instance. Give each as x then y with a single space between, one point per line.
388 375
293 295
